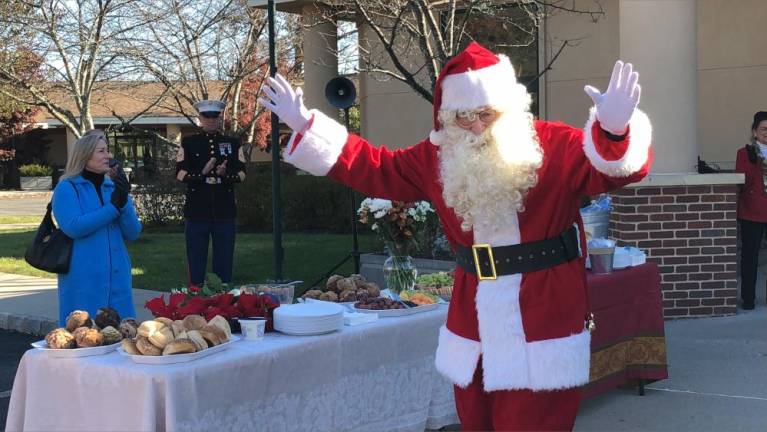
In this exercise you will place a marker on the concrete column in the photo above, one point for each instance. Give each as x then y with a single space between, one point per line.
320 61
659 37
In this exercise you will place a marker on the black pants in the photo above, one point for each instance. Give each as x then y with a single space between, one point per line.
198 234
751 234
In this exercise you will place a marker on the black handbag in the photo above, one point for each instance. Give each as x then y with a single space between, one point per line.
51 249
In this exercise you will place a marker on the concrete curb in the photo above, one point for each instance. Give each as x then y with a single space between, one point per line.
30 324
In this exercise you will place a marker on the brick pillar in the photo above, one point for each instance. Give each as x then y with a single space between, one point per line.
691 233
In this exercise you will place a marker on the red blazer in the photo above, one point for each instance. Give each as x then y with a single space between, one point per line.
752 200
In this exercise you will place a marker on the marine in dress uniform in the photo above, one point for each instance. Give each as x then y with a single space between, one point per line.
507 189
210 164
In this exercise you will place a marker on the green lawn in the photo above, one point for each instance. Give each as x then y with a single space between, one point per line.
159 259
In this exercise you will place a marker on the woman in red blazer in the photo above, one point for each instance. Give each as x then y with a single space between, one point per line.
752 205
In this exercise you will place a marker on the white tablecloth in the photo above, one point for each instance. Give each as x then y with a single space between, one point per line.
372 377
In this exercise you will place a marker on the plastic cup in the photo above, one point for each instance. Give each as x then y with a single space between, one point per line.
253 328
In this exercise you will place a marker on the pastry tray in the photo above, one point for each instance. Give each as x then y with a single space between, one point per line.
42 345
178 358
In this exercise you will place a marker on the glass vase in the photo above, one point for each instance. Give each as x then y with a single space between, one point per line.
399 273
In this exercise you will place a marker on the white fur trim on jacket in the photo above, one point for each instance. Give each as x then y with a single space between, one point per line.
494 85
456 357
640 137
509 361
320 147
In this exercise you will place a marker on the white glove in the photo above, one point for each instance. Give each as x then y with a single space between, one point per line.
287 103
616 106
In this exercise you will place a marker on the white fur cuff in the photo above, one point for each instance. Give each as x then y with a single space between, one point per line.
640 137
320 147
457 357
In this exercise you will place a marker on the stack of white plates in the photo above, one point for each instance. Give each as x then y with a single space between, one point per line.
309 318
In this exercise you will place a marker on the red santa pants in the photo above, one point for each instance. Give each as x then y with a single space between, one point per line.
515 410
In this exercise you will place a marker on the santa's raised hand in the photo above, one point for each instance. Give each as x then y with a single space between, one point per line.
287 103
616 106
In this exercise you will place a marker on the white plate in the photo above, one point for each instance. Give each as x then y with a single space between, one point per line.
306 333
42 345
178 358
387 313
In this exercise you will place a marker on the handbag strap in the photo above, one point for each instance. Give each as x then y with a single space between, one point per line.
48 213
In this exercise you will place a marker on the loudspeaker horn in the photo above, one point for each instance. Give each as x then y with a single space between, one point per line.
340 92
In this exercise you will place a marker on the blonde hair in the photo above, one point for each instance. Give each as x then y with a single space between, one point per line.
82 152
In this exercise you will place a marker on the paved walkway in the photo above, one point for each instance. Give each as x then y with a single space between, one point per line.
30 304
18 203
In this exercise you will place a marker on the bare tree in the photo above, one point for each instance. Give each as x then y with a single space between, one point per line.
210 50
78 44
410 40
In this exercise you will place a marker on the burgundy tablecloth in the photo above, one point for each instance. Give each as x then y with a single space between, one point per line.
629 342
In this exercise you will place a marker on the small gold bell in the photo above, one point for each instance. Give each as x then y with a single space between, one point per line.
591 324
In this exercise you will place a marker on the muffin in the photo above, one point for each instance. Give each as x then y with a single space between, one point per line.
111 335
78 318
87 337
129 328
60 338
107 317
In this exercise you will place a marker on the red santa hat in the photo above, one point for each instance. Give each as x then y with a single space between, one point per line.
474 78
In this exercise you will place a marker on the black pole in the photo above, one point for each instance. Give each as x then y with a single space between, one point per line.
353 200
275 149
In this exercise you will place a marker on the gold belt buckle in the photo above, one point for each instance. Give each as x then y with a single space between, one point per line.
474 249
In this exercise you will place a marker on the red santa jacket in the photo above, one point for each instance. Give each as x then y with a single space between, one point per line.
752 200
528 328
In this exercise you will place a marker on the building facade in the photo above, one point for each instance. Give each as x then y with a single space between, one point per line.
701 66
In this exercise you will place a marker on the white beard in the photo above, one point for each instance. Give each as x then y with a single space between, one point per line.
489 174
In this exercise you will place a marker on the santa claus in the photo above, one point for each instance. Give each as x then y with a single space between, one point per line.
507 190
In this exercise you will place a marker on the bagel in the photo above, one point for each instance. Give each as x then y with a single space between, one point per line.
147 328
130 347
196 337
162 337
223 324
146 347
179 346
178 328
166 321
194 322
213 335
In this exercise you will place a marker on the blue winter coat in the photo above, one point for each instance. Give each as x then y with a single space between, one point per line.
100 271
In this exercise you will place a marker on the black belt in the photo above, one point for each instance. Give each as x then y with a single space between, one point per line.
490 262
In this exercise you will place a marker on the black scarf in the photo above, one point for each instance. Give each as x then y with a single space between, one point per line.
96 179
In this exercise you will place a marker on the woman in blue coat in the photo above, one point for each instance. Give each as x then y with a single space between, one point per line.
97 212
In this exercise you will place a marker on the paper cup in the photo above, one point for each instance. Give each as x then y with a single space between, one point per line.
253 328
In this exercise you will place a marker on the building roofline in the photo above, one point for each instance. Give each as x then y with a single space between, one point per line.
149 120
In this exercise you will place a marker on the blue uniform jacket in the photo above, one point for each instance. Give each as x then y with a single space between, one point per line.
100 271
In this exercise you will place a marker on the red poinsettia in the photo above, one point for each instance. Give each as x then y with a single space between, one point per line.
180 305
256 305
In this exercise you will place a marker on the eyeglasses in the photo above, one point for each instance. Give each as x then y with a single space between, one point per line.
210 114
467 118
